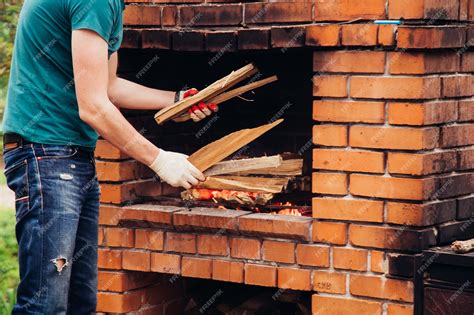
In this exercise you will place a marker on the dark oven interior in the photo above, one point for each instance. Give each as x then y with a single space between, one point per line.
289 98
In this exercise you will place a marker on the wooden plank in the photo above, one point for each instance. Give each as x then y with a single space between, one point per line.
246 183
230 94
218 150
212 90
236 166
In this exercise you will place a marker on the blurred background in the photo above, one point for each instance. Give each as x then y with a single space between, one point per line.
9 11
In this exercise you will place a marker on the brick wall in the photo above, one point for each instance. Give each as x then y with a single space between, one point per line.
393 159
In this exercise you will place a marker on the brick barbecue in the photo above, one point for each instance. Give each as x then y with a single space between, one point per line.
384 115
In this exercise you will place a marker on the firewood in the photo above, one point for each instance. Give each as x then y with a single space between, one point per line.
218 150
463 246
212 90
246 165
221 98
246 183
229 196
291 167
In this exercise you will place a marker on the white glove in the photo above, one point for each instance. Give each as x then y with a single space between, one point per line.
175 169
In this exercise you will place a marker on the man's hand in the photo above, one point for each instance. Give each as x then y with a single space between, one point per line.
200 111
175 169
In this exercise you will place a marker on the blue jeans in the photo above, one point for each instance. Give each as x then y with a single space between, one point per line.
57 209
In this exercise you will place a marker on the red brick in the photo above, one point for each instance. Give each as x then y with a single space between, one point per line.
119 237
294 279
287 37
420 214
466 110
349 61
421 164
377 261
254 38
109 259
391 238
210 15
354 161
260 275
105 150
323 35
156 38
206 218
348 209
121 171
458 85
329 282
229 271
149 239
278 251
459 135
312 255
142 15
335 86
420 114
344 111
466 159
165 263
386 35
162 215
245 248
212 245
350 258
169 15
118 193
382 288
220 42
399 309
136 260
330 183
330 232
332 305
125 281
330 135
392 188
467 61
118 302
100 236
196 267
264 224
359 35
346 10
422 62
287 12
395 87
431 37
423 9
180 242
393 138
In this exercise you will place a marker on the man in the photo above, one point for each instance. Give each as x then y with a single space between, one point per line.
64 90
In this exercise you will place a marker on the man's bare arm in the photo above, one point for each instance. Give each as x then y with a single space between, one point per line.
127 94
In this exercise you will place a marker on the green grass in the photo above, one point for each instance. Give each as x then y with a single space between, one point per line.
8 261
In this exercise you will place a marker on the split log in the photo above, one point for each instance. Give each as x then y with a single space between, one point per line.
293 167
221 98
463 246
245 165
237 197
212 90
218 150
245 183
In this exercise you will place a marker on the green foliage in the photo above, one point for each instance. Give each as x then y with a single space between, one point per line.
9 276
9 12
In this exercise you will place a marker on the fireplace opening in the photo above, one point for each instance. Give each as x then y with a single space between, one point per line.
289 98
218 298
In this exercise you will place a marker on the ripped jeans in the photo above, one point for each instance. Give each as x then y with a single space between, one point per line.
57 209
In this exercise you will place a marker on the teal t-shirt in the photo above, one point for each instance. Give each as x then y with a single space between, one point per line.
41 101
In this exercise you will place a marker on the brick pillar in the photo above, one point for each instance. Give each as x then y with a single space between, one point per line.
393 158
